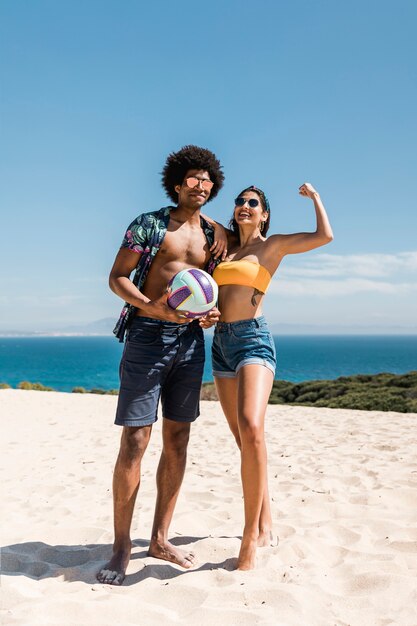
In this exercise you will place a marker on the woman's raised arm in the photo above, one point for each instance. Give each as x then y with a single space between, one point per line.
302 242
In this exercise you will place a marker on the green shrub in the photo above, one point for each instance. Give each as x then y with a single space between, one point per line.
107 392
276 400
377 392
4 386
26 385
405 380
208 392
369 402
309 397
335 392
412 406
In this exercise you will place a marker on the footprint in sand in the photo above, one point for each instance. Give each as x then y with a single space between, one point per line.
65 557
404 546
364 584
342 536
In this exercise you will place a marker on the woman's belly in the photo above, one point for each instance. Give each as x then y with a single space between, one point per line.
239 303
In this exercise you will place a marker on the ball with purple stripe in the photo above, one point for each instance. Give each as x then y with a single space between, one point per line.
193 292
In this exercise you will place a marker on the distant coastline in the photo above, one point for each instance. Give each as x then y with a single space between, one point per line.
104 328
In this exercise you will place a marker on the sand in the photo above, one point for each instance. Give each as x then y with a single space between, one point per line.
343 485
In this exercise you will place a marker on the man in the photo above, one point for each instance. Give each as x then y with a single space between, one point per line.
164 353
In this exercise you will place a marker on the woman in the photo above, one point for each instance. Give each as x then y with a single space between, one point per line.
243 348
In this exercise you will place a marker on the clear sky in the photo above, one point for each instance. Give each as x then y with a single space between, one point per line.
95 94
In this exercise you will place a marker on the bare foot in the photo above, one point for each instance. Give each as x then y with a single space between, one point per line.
247 555
266 538
114 572
168 552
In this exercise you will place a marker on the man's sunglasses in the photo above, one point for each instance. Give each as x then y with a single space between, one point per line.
193 182
252 202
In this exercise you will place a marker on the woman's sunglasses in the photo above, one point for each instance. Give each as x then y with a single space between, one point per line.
252 202
193 182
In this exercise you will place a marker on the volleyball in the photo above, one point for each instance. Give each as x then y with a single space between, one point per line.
193 292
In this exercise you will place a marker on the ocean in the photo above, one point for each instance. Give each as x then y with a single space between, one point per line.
92 362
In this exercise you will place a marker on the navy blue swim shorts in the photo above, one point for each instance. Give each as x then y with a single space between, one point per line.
161 360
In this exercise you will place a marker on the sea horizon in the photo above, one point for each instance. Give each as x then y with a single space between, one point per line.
104 328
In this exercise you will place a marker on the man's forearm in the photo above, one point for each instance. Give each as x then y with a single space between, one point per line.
125 289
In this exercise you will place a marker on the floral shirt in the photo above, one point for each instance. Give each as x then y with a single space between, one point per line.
145 236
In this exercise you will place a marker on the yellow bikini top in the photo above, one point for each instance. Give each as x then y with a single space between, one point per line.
242 272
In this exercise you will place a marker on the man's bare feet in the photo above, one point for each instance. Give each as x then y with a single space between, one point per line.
114 572
247 555
166 551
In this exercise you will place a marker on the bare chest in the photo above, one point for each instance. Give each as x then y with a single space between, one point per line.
185 245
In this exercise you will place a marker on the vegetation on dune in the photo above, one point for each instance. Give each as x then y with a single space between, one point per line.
26 385
366 392
33 386
208 392
101 392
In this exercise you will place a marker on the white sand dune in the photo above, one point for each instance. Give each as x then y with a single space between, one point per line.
343 485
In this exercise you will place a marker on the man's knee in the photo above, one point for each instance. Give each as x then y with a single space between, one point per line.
176 436
134 442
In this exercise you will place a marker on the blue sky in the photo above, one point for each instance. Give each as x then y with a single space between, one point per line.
96 94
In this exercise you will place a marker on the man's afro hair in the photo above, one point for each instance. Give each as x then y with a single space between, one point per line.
191 158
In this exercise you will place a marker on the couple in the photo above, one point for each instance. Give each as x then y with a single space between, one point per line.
164 353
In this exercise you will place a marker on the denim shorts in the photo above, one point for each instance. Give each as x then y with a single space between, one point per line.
236 344
161 360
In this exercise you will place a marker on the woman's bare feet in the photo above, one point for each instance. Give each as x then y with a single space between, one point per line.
265 538
168 552
114 572
247 555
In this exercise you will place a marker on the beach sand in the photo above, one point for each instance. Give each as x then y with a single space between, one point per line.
343 485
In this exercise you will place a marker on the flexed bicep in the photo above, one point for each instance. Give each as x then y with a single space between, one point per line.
300 242
305 241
